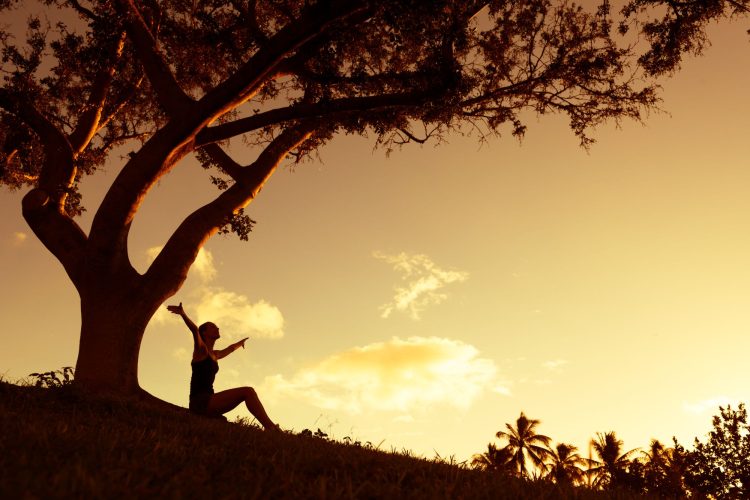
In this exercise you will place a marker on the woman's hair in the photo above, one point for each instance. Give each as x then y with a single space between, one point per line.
202 329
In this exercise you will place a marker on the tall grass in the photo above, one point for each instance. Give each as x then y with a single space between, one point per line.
58 443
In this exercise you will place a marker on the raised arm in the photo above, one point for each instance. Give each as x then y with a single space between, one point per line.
197 340
230 349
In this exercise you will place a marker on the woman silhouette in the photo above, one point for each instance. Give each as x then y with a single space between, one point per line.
205 364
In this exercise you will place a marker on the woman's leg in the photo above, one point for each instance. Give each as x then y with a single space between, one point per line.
224 401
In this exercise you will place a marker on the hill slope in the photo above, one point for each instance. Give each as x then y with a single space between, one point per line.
58 443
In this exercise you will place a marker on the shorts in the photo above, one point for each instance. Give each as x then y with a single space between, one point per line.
199 403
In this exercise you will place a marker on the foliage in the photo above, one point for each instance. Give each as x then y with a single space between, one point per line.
664 469
720 467
431 63
55 378
615 468
444 64
498 460
681 28
565 465
671 483
319 434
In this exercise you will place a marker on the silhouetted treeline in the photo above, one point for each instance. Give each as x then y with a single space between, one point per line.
718 467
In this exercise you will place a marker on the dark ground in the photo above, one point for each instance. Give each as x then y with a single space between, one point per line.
58 443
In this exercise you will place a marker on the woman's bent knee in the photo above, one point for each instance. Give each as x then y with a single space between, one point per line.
250 392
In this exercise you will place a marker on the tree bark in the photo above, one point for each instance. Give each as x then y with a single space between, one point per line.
114 316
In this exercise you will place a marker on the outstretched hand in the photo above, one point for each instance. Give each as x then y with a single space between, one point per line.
242 342
176 309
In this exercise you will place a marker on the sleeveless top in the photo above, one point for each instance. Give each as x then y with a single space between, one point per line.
204 373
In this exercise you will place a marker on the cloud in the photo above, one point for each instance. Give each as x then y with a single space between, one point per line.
404 419
423 282
237 317
397 375
19 238
706 405
152 253
234 313
555 365
182 354
503 390
203 265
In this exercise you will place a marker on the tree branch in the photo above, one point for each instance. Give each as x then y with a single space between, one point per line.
44 206
176 139
168 90
89 122
57 231
224 161
58 170
302 111
120 102
244 84
740 6
84 11
109 229
413 138
169 270
251 18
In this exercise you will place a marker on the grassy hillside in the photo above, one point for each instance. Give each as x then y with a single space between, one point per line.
58 443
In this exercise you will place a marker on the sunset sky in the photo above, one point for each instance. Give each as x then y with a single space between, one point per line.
424 299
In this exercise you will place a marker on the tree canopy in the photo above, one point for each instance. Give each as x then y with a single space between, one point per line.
401 70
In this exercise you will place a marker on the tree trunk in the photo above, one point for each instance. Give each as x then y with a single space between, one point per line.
112 327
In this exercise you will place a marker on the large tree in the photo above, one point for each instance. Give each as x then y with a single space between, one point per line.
720 467
174 78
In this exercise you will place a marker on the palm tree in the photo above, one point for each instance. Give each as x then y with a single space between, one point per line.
664 469
656 453
612 464
525 445
654 464
494 459
565 466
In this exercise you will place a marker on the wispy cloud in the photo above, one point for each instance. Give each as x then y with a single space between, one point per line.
181 354
502 389
706 405
423 282
235 314
555 364
397 375
404 419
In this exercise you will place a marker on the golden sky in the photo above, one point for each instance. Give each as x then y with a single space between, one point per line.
425 299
